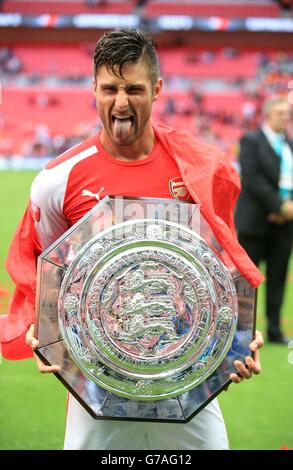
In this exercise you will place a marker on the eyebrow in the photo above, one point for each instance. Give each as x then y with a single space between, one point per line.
139 86
107 85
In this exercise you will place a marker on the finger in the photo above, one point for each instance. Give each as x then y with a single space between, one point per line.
30 340
254 364
242 369
257 343
49 369
32 343
44 369
235 378
29 334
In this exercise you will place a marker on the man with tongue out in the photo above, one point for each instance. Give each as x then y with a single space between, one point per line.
130 156
125 88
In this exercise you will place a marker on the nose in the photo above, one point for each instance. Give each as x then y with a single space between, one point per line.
121 102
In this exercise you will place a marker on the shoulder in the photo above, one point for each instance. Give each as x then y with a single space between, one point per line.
194 154
200 151
253 136
187 141
50 184
74 154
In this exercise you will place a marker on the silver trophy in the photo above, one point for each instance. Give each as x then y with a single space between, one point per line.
143 310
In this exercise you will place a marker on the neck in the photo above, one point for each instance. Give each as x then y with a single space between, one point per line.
272 128
138 150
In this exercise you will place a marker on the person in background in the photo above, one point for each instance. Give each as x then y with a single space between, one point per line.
264 213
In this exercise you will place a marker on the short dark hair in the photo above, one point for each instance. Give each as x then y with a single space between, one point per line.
126 45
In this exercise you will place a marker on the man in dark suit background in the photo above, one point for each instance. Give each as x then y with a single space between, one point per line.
264 214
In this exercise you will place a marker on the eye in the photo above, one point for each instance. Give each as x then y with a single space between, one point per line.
134 90
109 89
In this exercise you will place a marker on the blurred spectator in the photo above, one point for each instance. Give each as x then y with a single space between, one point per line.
5 55
264 215
95 3
273 71
9 63
170 106
43 134
208 57
13 65
248 110
286 5
230 52
140 3
42 100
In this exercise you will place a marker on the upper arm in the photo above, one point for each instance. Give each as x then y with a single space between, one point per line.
47 199
248 157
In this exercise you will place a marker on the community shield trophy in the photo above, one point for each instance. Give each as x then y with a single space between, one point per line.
143 310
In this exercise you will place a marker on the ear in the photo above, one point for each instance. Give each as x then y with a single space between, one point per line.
94 82
157 89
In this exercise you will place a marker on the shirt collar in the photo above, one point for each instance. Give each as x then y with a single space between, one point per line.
271 134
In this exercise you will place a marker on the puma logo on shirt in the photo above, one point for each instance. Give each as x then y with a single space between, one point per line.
86 192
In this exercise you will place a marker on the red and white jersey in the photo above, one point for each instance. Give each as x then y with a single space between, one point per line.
71 184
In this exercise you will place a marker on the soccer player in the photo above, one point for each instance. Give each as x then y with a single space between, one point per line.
130 156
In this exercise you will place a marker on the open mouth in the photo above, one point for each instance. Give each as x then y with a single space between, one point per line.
122 119
122 126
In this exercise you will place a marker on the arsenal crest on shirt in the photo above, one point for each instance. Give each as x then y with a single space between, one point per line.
178 189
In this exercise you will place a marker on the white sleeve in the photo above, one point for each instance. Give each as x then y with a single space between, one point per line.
48 193
47 199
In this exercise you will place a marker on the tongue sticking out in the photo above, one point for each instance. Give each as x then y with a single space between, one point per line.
122 128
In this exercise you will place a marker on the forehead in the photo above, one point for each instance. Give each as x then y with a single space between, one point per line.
132 73
282 107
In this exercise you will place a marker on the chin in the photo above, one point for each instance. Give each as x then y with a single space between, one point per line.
125 143
129 141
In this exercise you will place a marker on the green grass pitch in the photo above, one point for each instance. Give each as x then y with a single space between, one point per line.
258 412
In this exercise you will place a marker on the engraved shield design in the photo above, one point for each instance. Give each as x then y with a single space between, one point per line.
145 311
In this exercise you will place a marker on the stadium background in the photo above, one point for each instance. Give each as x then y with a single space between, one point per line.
219 59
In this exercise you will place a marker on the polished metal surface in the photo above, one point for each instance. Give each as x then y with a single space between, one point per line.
147 310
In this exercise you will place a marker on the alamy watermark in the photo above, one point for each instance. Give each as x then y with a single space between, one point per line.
120 210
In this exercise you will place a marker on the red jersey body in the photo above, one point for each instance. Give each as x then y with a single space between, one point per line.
101 174
75 181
